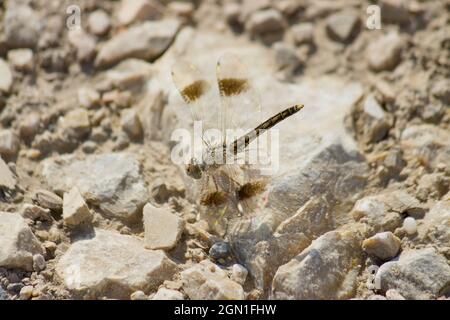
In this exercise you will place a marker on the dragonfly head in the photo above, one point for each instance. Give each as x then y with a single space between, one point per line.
193 170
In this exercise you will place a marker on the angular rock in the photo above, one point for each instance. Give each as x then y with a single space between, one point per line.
48 200
21 59
75 210
206 281
384 245
286 56
139 10
6 78
131 124
128 74
113 182
99 22
303 33
376 121
22 26
168 294
238 273
265 21
146 41
38 262
18 243
88 97
418 274
163 229
435 226
138 295
9 144
394 12
84 44
343 26
327 269
34 212
7 178
30 126
112 265
385 53
75 123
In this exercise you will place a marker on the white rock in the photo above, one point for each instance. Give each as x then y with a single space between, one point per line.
75 210
38 262
30 126
327 269
385 53
138 295
26 293
83 42
138 10
181 9
393 294
112 265
376 121
7 179
9 143
22 26
303 33
113 181
384 245
206 281
343 26
239 273
18 243
88 97
146 41
99 22
75 123
163 229
410 225
21 59
167 294
418 274
436 223
131 124
6 78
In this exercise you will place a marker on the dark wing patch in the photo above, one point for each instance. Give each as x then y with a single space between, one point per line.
232 86
250 189
215 198
194 91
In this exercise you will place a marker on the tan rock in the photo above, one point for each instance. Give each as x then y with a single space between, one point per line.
384 245
75 209
138 10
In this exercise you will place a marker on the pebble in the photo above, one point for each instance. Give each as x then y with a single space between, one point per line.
181 9
88 97
38 262
138 295
89 146
21 59
75 123
99 22
265 21
75 209
9 144
220 251
131 124
22 26
6 78
34 212
286 57
410 225
7 178
14 287
393 294
384 245
30 126
303 33
131 11
84 44
26 293
385 52
167 294
49 200
343 26
239 273
394 11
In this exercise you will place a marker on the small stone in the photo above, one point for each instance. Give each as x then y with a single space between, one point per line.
138 295
121 99
376 121
393 294
163 229
394 11
343 26
38 262
129 74
432 186
265 21
49 200
146 41
89 146
167 294
384 245
22 26
441 90
9 144
75 123
433 113
98 135
30 126
239 273
410 225
220 251
303 33
99 22
139 10
7 178
6 78
21 59
385 53
181 9
206 281
88 97
26 293
34 212
75 210
131 123
84 43
286 57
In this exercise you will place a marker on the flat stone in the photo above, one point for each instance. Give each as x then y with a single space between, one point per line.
48 200
343 26
139 10
6 78
418 274
327 269
112 265
206 281
75 210
163 229
168 294
113 182
385 53
384 245
146 41
18 242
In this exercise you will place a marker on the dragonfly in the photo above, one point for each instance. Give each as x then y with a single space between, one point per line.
228 187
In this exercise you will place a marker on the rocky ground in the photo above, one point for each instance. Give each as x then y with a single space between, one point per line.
92 207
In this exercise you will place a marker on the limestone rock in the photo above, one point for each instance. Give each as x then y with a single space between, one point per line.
9 144
21 59
138 10
385 53
7 178
343 26
99 22
112 265
75 210
167 294
22 26
384 245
